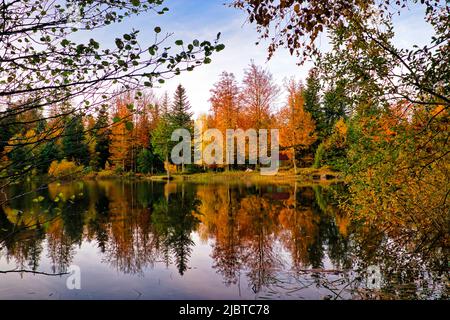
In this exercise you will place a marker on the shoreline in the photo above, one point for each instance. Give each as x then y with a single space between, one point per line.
305 175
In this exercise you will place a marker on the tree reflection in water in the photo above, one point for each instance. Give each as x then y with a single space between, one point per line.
281 239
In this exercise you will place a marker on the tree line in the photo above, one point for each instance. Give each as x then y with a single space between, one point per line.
134 133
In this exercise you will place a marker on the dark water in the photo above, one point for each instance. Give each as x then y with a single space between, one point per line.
149 240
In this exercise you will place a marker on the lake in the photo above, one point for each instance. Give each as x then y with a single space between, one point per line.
181 240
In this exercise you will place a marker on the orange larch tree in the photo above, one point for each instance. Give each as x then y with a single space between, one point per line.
121 134
258 97
297 127
225 103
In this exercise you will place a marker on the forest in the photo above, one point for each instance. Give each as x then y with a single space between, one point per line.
133 135
371 112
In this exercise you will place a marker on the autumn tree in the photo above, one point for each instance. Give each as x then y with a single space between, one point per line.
225 103
142 128
297 128
258 95
121 135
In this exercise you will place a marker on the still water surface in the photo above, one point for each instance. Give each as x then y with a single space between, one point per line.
152 240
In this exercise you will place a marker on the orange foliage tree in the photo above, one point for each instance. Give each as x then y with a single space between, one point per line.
225 103
258 96
121 134
297 127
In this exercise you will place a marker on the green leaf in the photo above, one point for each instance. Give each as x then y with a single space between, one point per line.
119 43
157 29
135 3
116 119
220 47
129 125
179 42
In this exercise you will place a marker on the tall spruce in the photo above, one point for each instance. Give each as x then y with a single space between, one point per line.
74 143
102 138
180 113
311 94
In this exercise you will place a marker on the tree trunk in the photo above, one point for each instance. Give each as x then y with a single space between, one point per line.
294 161
168 169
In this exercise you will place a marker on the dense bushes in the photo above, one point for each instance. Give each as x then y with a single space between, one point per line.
64 169
333 151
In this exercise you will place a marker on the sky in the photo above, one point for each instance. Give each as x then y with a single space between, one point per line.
203 19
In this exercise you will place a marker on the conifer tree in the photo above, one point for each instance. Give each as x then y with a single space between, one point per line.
102 137
74 143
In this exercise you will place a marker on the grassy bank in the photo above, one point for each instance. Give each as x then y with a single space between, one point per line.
306 175
309 175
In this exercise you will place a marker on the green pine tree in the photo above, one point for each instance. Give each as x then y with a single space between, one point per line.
180 114
311 94
102 139
335 104
74 144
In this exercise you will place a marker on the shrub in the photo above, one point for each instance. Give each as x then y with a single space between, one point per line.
106 174
119 170
64 169
170 167
193 168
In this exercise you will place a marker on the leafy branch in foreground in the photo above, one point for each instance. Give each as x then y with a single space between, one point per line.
42 65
